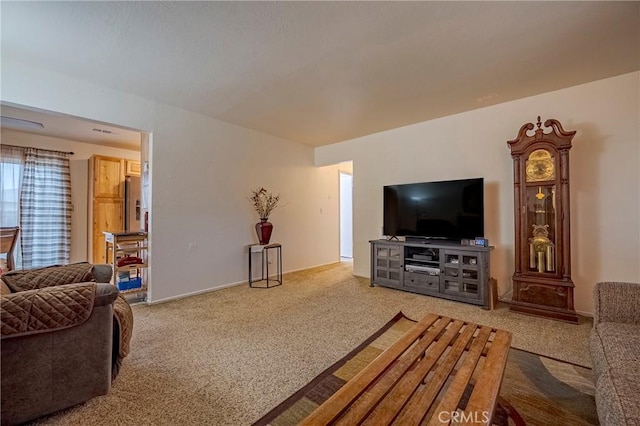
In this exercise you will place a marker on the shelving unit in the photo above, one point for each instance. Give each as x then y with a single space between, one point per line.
129 278
450 271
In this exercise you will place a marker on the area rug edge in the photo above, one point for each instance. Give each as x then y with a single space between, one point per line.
280 408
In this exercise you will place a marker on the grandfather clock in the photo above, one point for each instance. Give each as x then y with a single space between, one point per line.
542 283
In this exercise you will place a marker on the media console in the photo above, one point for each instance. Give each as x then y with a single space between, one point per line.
446 270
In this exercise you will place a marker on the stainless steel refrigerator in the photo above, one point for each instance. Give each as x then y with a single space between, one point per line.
132 196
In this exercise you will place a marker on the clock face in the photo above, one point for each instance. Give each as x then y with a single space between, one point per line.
540 166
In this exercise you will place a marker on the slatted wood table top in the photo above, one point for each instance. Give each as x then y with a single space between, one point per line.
422 378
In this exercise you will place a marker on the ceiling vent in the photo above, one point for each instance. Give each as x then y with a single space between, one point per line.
20 123
109 132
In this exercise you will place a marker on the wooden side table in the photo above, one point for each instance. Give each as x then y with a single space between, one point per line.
263 250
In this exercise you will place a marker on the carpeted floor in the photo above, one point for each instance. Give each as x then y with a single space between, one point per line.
227 357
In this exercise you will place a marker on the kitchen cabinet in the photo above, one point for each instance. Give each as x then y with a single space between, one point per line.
132 168
105 207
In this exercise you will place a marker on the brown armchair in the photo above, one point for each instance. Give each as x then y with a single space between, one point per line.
57 339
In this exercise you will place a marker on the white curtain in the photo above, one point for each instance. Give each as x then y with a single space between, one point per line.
11 171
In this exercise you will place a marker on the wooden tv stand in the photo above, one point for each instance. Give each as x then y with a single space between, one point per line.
446 270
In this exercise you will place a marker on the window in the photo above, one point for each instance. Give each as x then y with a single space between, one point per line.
11 167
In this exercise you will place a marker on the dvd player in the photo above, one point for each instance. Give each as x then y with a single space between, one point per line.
420 268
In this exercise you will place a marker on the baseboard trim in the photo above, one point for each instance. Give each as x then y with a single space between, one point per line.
311 267
195 293
223 286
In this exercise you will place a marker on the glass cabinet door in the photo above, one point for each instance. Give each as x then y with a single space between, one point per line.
388 265
541 228
394 263
461 276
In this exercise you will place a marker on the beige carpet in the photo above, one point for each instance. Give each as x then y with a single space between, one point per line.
227 357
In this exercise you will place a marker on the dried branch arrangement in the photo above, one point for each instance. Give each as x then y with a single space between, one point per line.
263 202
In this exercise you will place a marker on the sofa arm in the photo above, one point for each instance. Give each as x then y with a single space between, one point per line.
102 273
52 308
617 302
106 294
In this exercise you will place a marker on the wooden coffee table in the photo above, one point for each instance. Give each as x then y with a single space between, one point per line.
441 371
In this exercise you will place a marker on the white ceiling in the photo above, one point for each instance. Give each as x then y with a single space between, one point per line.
71 128
323 72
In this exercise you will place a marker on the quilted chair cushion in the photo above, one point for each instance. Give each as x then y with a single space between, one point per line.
4 288
53 308
49 276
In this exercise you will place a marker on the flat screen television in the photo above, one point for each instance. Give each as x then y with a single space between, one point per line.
447 210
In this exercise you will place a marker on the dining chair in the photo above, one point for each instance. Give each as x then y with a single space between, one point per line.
8 240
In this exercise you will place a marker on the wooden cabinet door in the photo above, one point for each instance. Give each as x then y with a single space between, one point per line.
108 177
388 265
132 168
107 216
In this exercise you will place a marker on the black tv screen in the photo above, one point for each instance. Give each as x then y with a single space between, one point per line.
451 210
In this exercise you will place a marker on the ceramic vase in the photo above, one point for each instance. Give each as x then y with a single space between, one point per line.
264 229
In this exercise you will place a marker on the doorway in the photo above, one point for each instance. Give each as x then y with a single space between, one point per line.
346 215
85 141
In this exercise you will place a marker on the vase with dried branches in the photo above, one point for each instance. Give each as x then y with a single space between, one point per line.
264 202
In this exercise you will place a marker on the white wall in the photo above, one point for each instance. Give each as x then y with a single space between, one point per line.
201 172
79 164
605 177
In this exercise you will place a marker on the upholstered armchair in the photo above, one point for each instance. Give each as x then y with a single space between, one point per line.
57 338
